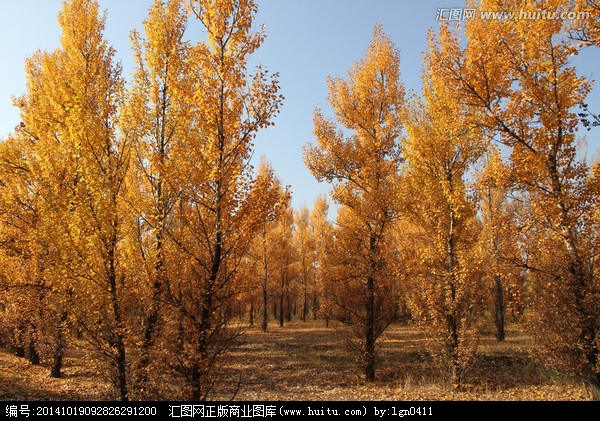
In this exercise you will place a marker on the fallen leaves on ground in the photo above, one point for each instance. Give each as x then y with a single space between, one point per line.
302 362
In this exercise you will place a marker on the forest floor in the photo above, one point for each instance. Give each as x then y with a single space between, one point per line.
304 362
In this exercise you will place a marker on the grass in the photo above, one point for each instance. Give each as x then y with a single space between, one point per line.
303 362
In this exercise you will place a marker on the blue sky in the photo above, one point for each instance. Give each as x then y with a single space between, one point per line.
307 41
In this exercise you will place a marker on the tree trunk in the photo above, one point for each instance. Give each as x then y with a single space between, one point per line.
118 341
55 370
251 314
450 302
59 349
281 299
305 303
151 319
32 353
201 364
265 318
455 371
499 309
121 371
594 389
265 283
147 343
370 331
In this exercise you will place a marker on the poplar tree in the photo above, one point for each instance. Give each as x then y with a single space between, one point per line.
158 122
518 80
445 280
221 203
364 170
70 114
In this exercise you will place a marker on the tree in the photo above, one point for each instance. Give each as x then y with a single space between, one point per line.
158 121
221 205
360 287
262 256
498 213
440 151
364 170
25 292
263 249
285 259
517 78
70 114
305 247
322 232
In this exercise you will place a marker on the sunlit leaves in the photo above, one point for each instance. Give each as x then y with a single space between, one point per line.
516 78
442 281
368 104
78 163
359 151
136 207
196 110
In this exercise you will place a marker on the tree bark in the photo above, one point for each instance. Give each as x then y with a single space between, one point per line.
59 349
499 309
370 331
118 341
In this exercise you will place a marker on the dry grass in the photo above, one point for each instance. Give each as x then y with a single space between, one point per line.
302 362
